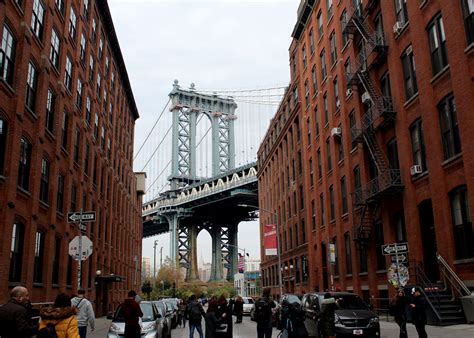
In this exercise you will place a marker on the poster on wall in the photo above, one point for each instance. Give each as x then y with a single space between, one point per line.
270 240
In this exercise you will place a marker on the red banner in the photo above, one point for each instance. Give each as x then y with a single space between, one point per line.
241 263
270 240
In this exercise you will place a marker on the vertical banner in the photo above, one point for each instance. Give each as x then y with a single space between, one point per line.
332 253
241 263
270 240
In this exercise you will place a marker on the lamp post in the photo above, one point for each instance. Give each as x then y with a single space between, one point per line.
154 258
280 279
245 288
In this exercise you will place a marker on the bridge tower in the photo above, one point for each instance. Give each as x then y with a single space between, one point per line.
186 106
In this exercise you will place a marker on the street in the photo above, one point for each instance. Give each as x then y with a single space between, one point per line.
248 329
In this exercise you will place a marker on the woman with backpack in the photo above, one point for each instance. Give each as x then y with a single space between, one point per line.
60 320
239 309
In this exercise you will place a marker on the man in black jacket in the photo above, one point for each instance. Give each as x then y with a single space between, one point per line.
14 317
418 307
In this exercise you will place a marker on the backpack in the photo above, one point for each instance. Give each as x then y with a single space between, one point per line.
49 331
262 311
195 312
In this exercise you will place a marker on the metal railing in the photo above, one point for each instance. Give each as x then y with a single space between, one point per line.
451 278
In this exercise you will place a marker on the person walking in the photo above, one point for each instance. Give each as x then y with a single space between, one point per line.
14 318
182 313
398 310
61 316
85 312
418 307
195 312
263 314
224 315
131 314
239 309
213 324
326 316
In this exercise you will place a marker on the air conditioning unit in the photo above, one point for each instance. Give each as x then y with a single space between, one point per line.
349 92
336 132
415 170
397 28
366 98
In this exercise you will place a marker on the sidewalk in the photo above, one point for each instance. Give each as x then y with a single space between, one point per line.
390 329
101 327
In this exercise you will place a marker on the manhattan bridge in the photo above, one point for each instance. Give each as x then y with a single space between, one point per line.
200 161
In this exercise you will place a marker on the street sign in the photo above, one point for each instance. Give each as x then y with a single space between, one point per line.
87 216
403 258
395 248
86 248
82 226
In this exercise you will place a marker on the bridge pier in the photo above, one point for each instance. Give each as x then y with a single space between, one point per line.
192 270
216 263
233 252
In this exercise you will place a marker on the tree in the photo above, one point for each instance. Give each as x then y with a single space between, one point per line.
147 289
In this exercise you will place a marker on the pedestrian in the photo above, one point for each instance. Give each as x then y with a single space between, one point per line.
398 310
195 312
213 324
293 318
85 312
263 314
327 325
131 314
14 318
61 316
224 314
418 307
239 309
182 313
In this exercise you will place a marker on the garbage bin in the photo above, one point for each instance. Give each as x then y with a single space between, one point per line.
468 307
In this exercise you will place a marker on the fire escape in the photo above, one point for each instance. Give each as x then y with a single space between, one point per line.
379 114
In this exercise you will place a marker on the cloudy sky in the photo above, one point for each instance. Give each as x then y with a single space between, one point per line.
217 44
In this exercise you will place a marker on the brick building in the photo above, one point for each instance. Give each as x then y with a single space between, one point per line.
67 116
371 144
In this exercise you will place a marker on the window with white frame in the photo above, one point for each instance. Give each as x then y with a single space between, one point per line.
7 55
37 19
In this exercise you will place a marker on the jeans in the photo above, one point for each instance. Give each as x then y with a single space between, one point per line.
420 328
198 327
264 332
82 331
402 323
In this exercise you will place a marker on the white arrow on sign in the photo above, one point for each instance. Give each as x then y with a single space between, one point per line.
88 216
401 258
396 248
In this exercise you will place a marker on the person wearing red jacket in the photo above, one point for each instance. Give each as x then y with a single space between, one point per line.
131 315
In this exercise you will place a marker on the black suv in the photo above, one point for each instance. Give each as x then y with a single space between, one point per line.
353 316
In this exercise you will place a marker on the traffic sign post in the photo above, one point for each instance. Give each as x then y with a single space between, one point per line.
399 255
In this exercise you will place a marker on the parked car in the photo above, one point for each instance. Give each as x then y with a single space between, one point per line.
249 304
166 317
291 298
353 316
172 304
151 322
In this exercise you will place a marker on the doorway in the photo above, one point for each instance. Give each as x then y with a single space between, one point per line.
428 240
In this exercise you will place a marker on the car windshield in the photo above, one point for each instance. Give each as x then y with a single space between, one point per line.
161 306
350 302
172 302
248 300
146 308
293 299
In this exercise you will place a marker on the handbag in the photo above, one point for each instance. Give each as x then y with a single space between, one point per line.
222 328
283 334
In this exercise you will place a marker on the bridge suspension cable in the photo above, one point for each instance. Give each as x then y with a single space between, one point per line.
156 149
156 179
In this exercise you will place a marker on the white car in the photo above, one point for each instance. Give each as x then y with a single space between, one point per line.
249 304
151 325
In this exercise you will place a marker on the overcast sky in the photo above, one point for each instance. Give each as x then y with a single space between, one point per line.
220 44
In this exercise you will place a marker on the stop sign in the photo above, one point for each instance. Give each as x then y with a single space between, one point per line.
86 248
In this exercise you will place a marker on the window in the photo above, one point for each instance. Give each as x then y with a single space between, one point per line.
73 206
340 147
326 109
79 94
320 24
385 85
101 48
313 215
112 80
336 256
60 194
3 143
379 34
449 127
56 257
88 110
348 254
305 61
468 11
409 73
347 71
379 241
68 74
306 93
54 52
44 183
311 41
308 128
31 85
60 6
321 202
344 209
64 131
102 138
77 142
392 154
301 197
316 120
86 158
352 125
320 171
25 164
345 35
107 65
37 19
94 29
91 68
337 101
7 55
82 54
322 58
357 185
39 254
328 154
332 209
314 80
332 43
72 24
97 88
329 7
418 145
462 223
363 259
85 9
437 40
96 126
311 173
16 252
401 11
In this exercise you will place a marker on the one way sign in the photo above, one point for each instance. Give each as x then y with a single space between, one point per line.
395 248
88 216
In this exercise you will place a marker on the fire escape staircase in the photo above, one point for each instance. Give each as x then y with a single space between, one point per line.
381 114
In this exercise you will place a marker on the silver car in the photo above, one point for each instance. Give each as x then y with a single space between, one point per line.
249 304
150 323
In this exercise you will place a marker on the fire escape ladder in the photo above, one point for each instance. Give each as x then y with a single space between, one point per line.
363 230
375 152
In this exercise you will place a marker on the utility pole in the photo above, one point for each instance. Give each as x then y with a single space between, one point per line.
154 258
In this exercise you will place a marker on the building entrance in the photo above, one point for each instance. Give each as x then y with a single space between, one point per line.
428 238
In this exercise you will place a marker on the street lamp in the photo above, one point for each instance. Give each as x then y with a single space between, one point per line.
280 279
154 258
244 289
